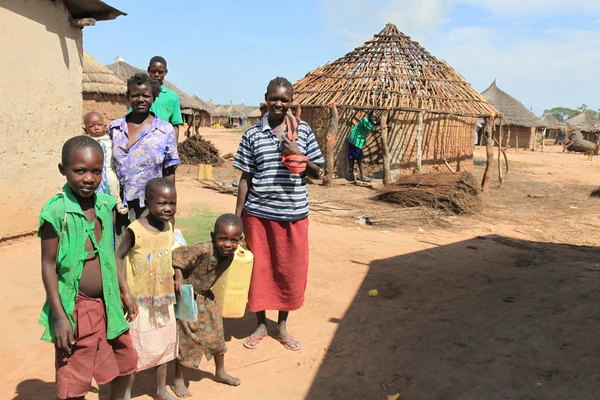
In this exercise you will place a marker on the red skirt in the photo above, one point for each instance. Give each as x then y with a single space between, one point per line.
280 269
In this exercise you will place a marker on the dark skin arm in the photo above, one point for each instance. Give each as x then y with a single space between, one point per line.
176 127
243 189
126 244
289 147
63 330
169 173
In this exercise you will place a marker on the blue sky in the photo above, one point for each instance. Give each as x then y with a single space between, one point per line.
546 53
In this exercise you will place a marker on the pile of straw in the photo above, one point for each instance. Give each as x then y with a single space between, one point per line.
195 150
595 193
456 193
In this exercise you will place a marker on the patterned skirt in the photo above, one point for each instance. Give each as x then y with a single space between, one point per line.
203 338
154 335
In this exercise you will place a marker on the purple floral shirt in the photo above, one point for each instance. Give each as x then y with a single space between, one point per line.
154 150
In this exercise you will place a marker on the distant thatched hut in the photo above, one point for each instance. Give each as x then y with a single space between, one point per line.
550 125
255 116
220 115
519 124
587 124
102 90
431 108
188 105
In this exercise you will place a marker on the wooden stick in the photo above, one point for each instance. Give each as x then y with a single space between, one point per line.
330 161
194 122
489 150
386 149
500 177
544 140
420 142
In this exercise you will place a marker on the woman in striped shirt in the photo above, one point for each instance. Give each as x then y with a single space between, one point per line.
275 157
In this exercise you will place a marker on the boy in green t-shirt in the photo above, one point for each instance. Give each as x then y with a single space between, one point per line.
167 105
356 141
83 314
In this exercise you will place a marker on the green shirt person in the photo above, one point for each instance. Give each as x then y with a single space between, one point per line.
356 141
166 106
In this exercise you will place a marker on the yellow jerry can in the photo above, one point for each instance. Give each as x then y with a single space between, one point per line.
204 172
231 289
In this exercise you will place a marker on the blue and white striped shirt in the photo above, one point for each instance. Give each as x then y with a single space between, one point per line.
275 193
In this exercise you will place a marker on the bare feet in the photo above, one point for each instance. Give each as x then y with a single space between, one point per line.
180 389
164 395
224 377
287 340
254 340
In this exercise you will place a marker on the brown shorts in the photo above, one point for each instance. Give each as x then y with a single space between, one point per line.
93 356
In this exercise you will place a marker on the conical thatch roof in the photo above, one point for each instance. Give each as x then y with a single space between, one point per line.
208 107
96 78
233 111
585 122
514 112
392 71
244 110
124 71
220 111
548 121
257 113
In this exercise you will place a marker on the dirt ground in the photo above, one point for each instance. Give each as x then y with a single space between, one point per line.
499 305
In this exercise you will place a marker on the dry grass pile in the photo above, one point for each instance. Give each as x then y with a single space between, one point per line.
195 150
596 193
456 193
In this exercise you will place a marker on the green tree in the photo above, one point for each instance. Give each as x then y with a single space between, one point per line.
561 113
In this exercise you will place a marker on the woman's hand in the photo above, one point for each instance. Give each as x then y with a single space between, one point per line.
63 334
289 147
131 310
179 281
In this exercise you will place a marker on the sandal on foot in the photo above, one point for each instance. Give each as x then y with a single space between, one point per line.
252 340
289 344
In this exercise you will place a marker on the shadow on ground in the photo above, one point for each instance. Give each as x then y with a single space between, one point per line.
487 318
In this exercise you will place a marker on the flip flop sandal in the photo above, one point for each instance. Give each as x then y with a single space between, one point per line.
287 344
253 339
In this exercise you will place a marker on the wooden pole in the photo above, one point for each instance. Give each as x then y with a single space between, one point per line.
194 122
331 134
516 137
420 142
500 177
489 150
544 140
386 149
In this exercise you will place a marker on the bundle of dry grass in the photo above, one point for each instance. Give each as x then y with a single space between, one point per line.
595 193
195 150
456 193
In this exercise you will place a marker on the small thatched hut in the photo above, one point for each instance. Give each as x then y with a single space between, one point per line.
102 90
431 108
550 125
520 124
220 115
255 116
587 124
124 71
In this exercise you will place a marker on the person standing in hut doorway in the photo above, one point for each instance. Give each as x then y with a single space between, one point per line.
356 141
166 106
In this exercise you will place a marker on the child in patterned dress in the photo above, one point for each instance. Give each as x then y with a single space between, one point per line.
200 266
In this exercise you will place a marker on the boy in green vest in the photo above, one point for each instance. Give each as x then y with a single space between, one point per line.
166 106
356 141
83 315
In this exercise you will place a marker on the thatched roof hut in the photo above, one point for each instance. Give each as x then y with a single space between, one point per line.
549 122
392 72
257 114
519 123
587 124
102 90
124 71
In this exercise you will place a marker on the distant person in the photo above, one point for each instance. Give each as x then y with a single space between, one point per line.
93 125
201 265
144 147
144 257
83 314
275 158
356 141
166 106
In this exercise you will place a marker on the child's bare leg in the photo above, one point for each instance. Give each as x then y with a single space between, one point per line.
361 171
351 170
221 375
179 386
261 331
282 334
120 388
161 383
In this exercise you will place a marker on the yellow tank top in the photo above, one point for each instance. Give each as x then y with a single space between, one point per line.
149 268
